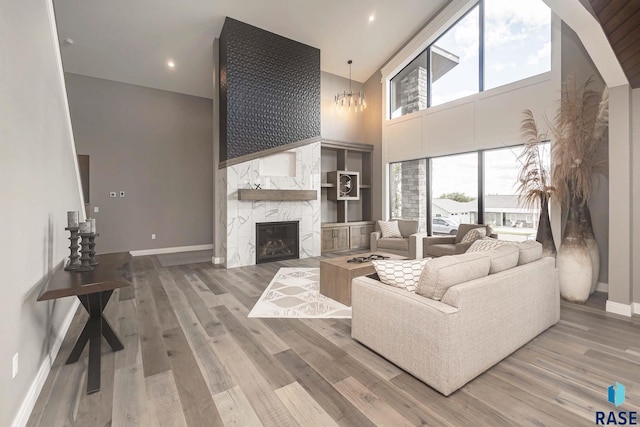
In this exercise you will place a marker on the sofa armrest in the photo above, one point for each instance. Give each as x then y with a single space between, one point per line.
415 245
436 240
373 243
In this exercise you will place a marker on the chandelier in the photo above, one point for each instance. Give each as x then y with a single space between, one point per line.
349 99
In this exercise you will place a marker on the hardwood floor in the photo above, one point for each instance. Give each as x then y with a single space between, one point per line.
193 358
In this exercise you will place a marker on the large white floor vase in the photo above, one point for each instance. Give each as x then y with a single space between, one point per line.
574 261
592 245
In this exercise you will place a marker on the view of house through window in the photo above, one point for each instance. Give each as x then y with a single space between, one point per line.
454 192
511 220
514 41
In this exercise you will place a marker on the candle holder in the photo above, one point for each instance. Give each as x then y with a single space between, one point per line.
74 258
92 251
85 258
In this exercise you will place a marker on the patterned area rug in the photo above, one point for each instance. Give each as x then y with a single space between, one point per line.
294 293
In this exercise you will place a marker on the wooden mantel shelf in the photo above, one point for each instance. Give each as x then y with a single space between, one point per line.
278 195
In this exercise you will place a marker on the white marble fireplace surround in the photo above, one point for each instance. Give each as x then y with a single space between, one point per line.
272 172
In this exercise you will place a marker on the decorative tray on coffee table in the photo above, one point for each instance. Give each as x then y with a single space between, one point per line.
362 259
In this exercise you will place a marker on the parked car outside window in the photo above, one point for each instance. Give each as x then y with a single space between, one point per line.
444 226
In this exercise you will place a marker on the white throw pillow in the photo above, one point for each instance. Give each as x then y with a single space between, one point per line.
400 273
475 234
389 229
485 244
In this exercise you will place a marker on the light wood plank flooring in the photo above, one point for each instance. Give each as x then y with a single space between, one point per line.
193 358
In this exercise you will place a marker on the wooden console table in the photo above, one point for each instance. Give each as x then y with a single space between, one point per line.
93 289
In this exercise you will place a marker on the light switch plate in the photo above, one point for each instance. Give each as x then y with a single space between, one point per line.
96 209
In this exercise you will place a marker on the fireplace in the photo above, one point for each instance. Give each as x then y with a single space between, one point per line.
276 241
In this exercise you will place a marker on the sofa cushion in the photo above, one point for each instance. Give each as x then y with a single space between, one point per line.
442 273
486 244
407 227
530 251
503 258
441 249
396 243
473 235
400 273
389 228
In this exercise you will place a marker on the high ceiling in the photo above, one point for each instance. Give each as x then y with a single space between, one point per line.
131 41
620 20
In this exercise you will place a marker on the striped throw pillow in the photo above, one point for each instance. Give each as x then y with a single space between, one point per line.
400 273
389 229
475 234
485 244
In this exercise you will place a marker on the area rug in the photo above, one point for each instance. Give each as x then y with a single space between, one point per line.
295 293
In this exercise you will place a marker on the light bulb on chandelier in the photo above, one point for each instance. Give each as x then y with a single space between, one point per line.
350 99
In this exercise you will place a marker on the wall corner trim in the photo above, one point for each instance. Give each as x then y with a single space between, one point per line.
160 251
602 287
636 308
618 308
22 417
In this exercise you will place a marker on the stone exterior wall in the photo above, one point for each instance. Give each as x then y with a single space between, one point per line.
413 95
414 191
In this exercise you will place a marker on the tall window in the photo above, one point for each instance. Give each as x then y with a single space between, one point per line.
495 43
517 40
454 189
510 218
454 60
408 191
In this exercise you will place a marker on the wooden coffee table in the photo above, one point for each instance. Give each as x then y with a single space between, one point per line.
336 275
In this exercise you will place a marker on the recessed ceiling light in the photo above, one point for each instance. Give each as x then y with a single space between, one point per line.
171 64
372 18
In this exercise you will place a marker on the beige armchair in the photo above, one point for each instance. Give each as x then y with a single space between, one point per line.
436 246
410 245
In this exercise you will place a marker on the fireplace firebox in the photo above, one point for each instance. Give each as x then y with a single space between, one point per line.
276 241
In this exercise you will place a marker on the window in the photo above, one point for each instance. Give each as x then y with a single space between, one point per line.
454 60
516 44
454 188
511 220
517 40
448 186
409 88
408 191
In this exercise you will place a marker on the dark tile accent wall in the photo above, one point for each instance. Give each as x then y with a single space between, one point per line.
269 90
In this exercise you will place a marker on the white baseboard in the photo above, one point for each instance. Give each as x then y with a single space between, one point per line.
636 308
618 308
36 386
161 251
217 260
602 287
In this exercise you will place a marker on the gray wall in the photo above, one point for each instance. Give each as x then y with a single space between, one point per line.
39 183
157 147
336 124
373 135
575 57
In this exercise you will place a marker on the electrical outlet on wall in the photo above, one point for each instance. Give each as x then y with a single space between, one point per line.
15 365
96 209
112 194
153 236
122 194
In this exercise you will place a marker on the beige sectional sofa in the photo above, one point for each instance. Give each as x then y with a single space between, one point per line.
448 342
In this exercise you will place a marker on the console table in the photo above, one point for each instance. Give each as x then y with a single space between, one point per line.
93 289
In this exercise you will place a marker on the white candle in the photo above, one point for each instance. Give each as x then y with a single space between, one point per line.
85 227
92 221
72 219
